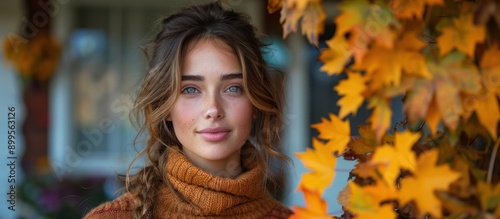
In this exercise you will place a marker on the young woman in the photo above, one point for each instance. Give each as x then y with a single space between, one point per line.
212 114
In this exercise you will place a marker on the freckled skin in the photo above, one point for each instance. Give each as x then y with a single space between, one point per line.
212 102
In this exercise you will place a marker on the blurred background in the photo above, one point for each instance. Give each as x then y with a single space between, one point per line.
72 130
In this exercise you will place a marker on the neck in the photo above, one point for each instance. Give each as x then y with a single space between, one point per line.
227 168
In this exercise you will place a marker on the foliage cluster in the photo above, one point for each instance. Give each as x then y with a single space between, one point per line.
442 58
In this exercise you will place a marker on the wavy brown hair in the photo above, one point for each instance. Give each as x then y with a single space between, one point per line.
161 87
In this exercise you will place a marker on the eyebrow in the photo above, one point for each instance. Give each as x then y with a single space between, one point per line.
201 78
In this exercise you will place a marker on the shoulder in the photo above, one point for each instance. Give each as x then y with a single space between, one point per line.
122 207
279 211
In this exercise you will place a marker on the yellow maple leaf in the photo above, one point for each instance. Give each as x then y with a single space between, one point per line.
313 22
380 118
388 64
322 163
491 69
442 96
364 202
356 17
488 112
489 196
394 158
433 116
426 180
486 105
336 131
316 207
407 9
351 90
353 12
463 35
312 14
447 97
336 56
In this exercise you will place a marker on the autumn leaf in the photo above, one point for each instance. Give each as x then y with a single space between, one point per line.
380 117
388 64
312 14
433 117
368 140
358 18
488 112
418 99
313 22
489 196
336 56
427 179
486 105
441 98
364 202
491 69
336 131
462 35
322 163
353 12
351 90
407 9
394 158
274 5
316 207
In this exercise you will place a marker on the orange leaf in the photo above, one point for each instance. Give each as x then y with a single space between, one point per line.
448 102
364 202
313 22
488 112
336 56
412 8
388 64
433 116
426 180
359 18
351 89
322 163
353 12
398 157
336 131
316 207
312 14
491 69
418 99
380 118
274 5
463 35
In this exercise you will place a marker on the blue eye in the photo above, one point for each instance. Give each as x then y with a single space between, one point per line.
189 90
234 89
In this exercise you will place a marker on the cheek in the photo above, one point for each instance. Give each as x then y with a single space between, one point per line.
244 113
182 115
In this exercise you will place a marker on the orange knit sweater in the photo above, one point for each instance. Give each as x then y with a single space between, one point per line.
203 195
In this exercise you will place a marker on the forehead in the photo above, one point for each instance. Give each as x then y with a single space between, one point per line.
207 55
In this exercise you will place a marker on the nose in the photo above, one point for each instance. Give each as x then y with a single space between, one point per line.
214 107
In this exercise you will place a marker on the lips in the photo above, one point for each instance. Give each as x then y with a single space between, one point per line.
214 134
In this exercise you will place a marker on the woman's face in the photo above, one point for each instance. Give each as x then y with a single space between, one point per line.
212 117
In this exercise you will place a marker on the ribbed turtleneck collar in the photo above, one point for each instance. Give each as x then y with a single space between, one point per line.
201 193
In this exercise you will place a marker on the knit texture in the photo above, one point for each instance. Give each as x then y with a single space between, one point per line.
195 193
